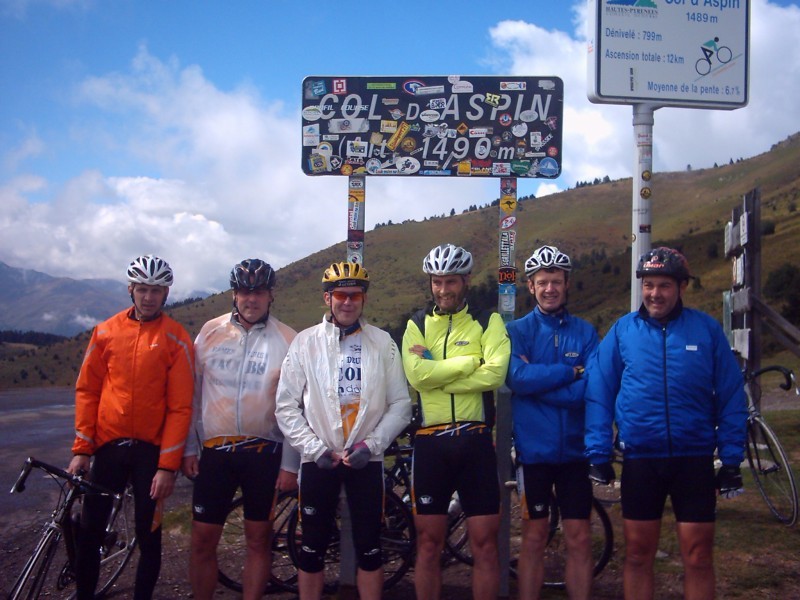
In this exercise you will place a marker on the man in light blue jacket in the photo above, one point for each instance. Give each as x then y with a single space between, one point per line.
549 348
342 399
666 376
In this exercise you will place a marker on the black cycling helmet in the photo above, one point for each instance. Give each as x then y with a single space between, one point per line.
663 261
345 274
252 274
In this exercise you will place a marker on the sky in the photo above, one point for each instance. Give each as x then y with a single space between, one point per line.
174 127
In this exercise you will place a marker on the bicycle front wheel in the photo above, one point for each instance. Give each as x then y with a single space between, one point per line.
42 571
771 471
119 541
555 554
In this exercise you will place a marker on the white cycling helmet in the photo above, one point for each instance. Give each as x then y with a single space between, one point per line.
547 257
150 270
447 259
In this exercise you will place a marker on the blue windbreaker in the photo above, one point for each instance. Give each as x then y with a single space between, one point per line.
673 390
547 402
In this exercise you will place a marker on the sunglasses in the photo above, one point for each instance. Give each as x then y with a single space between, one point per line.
354 296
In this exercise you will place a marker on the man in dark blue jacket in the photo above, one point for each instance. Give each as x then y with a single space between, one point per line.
666 375
549 348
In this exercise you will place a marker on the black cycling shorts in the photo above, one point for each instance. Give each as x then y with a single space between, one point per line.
319 498
573 490
687 480
452 461
222 472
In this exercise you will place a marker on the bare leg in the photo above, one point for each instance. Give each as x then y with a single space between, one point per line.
258 559
697 550
203 559
431 530
310 585
530 565
483 543
370 584
578 537
641 543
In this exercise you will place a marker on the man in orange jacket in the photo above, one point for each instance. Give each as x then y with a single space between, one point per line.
133 407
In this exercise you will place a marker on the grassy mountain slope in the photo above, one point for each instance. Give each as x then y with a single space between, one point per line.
689 210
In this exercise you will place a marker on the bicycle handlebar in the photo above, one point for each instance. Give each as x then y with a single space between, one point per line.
76 480
788 375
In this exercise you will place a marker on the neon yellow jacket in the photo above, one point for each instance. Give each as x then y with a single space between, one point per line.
467 361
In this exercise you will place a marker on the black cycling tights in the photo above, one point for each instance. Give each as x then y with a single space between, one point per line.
114 465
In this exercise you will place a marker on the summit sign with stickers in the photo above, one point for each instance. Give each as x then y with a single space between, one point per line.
433 126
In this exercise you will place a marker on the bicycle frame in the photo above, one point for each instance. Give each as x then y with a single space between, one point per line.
60 529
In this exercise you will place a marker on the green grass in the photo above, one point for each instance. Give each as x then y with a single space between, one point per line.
755 555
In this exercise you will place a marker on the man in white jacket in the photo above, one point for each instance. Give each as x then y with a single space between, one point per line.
237 362
342 399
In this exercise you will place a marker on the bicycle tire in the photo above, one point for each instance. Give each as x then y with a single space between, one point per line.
456 544
36 575
231 548
771 471
118 544
607 494
398 542
555 552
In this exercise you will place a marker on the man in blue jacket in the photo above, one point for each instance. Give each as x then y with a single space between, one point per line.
549 348
666 375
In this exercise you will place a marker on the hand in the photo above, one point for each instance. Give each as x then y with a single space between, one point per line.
328 460
190 466
357 456
163 484
420 351
602 473
287 481
729 481
79 465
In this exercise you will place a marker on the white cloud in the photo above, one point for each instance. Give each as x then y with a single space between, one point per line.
598 139
211 176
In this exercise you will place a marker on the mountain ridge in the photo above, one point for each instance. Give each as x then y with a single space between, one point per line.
591 223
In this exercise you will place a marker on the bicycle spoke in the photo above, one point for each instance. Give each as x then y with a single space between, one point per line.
118 543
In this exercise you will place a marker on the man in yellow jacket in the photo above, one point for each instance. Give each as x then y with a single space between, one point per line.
133 407
455 361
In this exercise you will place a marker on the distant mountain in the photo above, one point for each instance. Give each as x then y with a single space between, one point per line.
590 222
34 301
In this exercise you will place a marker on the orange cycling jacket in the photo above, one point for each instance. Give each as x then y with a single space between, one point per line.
136 382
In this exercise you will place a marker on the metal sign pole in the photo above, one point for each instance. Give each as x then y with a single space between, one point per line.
641 227
506 301
356 200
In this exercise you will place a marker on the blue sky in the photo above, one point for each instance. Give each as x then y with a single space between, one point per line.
173 127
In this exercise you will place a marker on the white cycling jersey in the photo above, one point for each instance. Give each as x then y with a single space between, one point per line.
309 407
236 378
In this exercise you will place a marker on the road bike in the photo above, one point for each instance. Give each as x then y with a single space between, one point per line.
50 569
765 455
397 544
